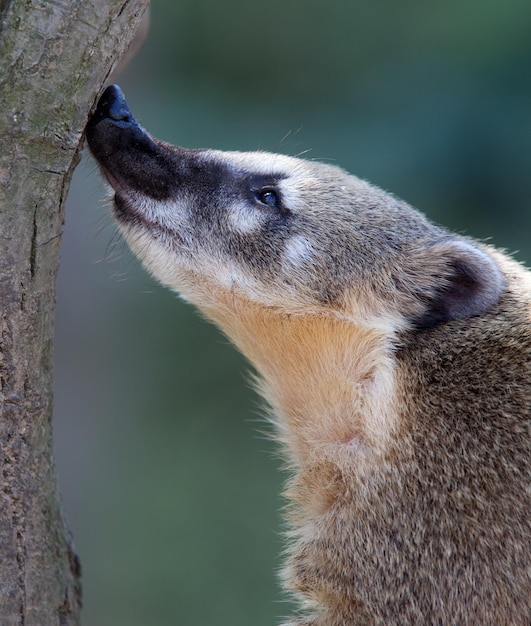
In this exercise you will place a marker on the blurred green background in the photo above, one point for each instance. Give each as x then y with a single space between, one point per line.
170 487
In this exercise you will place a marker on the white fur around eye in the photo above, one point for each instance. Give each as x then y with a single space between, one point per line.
244 219
298 251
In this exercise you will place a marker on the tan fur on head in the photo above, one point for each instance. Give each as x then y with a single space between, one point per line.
396 358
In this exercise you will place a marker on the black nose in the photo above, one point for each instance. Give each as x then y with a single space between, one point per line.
113 105
112 127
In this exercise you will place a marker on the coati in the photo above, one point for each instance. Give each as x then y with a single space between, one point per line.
395 356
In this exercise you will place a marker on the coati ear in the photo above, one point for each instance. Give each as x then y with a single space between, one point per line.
467 282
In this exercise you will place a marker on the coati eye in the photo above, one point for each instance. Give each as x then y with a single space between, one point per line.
264 191
269 197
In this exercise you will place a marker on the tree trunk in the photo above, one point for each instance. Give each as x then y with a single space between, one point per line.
54 58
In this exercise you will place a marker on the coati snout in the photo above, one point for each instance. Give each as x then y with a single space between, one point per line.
395 356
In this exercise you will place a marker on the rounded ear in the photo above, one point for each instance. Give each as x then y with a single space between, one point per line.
469 282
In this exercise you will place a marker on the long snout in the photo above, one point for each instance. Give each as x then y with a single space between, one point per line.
128 156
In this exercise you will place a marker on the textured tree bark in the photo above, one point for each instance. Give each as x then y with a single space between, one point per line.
54 59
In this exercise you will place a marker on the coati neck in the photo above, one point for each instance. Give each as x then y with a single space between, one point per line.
329 381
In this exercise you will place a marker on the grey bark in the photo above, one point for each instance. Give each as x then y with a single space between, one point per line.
54 59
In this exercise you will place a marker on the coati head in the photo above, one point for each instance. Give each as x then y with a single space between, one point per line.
299 236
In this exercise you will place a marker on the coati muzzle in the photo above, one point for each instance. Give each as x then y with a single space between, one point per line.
129 157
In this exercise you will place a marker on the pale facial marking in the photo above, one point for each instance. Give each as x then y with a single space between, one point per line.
244 219
299 251
261 162
167 214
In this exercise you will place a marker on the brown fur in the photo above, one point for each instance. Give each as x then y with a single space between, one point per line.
374 510
438 529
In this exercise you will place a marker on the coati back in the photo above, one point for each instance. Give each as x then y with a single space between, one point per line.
394 354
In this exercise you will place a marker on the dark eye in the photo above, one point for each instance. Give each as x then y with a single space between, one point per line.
268 197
